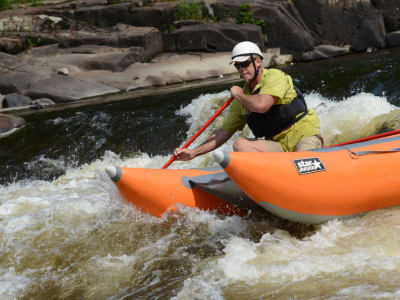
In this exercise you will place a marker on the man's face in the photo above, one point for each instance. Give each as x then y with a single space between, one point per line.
246 69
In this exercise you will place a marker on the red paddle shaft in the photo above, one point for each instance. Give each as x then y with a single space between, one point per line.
369 138
216 114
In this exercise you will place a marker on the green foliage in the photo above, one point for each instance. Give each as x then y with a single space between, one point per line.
31 42
36 3
5 4
246 16
188 11
169 29
8 4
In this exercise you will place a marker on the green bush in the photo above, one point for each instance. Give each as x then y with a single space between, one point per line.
8 4
246 16
5 4
188 11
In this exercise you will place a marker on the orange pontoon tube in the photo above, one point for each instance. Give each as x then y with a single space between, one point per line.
158 191
316 186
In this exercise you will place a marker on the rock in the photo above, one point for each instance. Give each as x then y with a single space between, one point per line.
119 36
353 22
283 59
63 71
390 10
283 24
10 45
102 14
371 34
325 51
115 61
20 73
273 57
212 37
9 122
35 23
393 39
15 100
43 102
9 62
159 15
66 89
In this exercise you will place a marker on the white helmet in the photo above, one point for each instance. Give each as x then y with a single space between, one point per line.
243 50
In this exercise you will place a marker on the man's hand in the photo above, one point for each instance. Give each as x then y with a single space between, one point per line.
183 154
236 92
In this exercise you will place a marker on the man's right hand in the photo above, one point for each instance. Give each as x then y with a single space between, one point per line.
183 154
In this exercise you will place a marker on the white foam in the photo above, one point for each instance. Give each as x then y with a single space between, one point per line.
349 116
11 283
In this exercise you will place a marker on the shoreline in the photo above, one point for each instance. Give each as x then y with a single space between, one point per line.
23 111
149 90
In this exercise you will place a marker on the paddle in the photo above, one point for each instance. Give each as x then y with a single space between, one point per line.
216 114
369 138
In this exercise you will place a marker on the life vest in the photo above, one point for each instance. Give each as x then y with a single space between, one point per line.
278 118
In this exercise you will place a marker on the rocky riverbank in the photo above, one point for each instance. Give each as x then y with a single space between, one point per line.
84 51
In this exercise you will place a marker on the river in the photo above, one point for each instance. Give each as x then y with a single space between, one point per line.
65 232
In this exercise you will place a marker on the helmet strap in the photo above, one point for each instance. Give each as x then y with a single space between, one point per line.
256 70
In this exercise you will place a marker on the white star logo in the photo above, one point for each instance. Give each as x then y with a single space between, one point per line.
317 165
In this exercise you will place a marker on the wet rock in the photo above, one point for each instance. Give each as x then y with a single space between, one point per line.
45 169
9 122
15 100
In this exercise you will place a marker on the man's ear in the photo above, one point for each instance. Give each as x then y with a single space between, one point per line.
258 61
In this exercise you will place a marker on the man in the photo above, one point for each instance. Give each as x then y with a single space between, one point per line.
272 107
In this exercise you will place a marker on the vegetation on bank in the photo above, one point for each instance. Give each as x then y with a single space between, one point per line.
194 11
8 4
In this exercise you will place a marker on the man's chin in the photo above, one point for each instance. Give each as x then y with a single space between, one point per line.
246 78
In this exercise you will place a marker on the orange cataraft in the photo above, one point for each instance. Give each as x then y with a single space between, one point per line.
309 187
320 185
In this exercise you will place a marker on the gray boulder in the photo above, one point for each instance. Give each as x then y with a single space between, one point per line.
66 89
390 10
353 22
212 37
393 39
15 100
283 24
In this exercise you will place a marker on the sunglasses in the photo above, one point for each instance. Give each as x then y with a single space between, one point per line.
243 64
